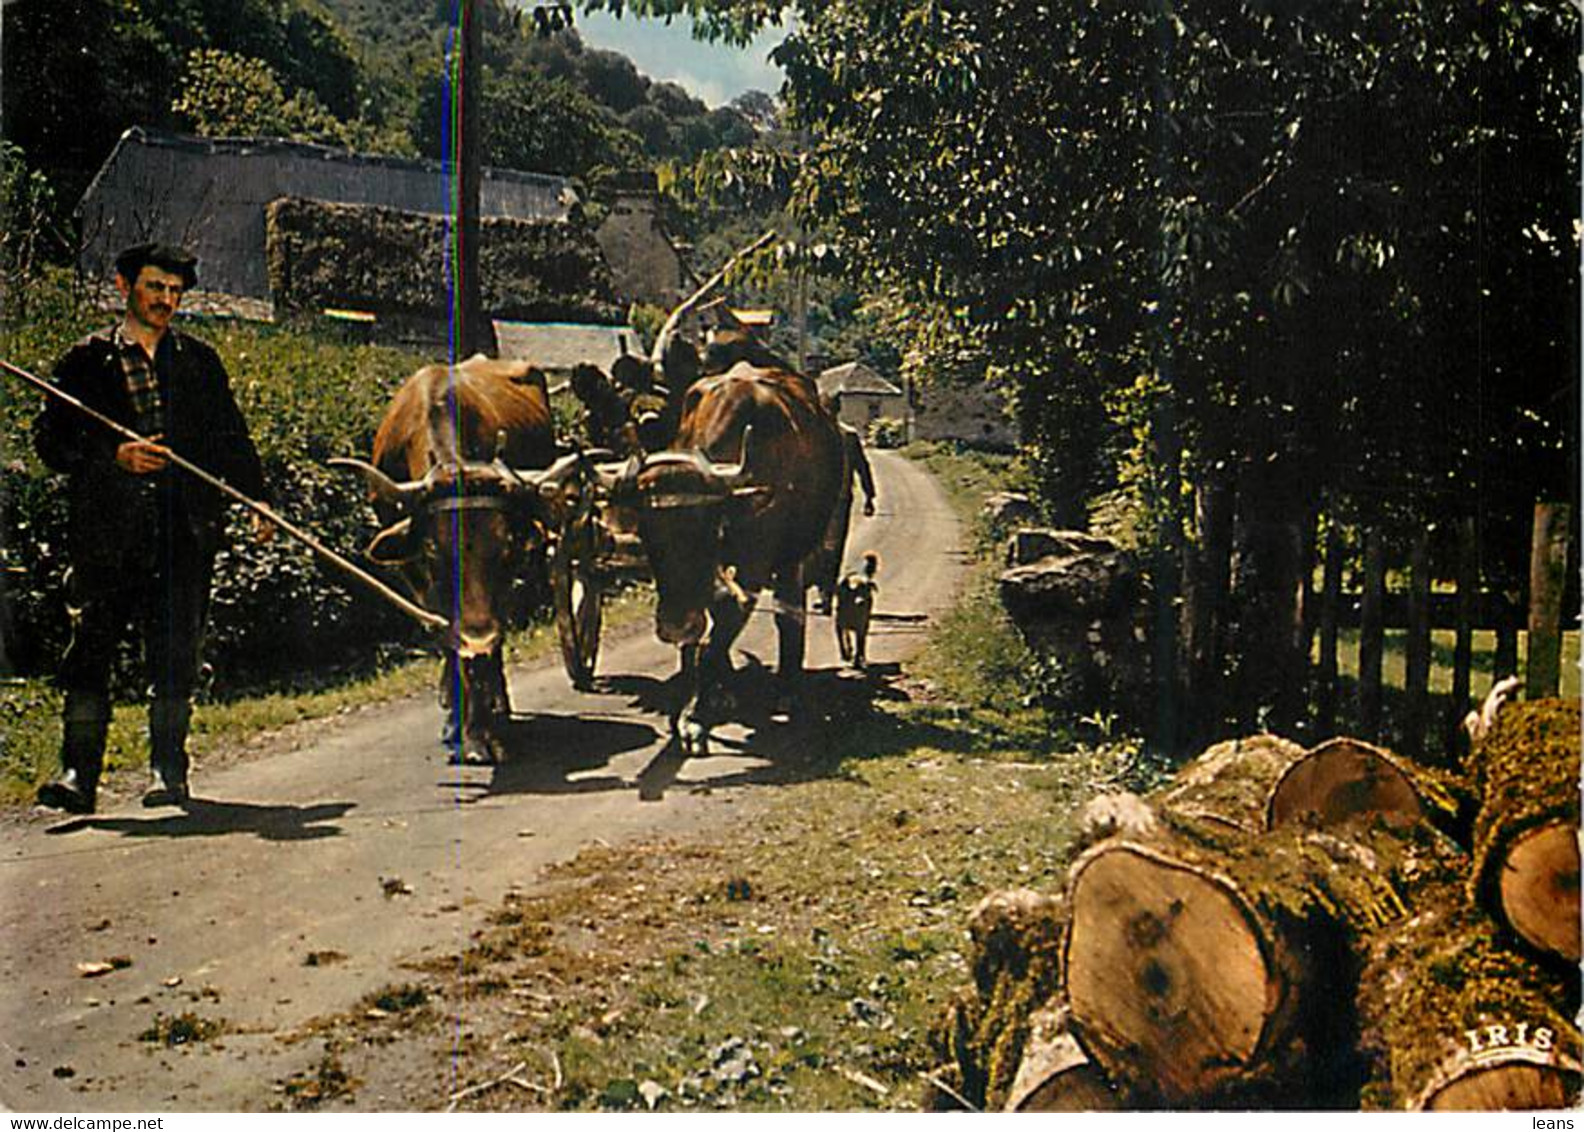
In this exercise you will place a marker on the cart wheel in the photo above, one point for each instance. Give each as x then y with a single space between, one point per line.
579 598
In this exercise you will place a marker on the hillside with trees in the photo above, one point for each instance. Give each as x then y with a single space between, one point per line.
349 73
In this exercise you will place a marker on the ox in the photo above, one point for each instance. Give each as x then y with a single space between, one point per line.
460 483
717 533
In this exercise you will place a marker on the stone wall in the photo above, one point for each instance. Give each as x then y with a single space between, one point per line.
644 265
973 414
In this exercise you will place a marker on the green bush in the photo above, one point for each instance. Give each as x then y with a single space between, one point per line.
886 432
278 615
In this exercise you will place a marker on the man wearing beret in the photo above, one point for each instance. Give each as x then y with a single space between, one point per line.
142 534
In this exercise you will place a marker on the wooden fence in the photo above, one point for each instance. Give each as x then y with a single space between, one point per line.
1419 609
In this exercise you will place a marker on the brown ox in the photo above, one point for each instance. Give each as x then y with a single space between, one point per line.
460 484
715 534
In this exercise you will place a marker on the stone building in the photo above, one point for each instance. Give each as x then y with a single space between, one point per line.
973 414
865 396
284 227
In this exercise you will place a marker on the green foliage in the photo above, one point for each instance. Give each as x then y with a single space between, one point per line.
532 122
1077 194
28 234
886 432
228 95
80 72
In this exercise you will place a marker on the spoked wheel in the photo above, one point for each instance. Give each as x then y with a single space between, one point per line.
579 596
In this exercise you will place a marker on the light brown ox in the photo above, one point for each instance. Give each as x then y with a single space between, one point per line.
464 478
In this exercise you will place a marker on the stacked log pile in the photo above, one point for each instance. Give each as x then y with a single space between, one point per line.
1278 927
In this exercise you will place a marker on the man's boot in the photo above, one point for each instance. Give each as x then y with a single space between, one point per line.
168 720
84 723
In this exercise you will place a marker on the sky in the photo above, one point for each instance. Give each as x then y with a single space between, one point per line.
710 71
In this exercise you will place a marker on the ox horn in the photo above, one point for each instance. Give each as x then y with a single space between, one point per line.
384 488
668 331
549 481
735 475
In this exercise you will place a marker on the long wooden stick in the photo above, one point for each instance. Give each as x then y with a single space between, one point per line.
710 284
423 616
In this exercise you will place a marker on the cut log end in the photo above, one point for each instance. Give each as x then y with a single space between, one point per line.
1165 971
1510 1087
1539 889
1056 1074
1343 779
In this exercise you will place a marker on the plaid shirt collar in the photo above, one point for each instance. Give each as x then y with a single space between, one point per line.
142 384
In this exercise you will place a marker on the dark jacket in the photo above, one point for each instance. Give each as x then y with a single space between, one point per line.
204 426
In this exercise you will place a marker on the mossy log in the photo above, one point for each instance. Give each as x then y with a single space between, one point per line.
1183 980
1056 1073
1526 835
1199 957
1344 779
1230 784
1016 961
1450 1018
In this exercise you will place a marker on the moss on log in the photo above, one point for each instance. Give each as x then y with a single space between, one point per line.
1231 782
1204 952
1016 957
1449 1017
1526 848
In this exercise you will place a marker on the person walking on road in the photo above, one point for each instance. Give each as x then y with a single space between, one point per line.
141 536
826 562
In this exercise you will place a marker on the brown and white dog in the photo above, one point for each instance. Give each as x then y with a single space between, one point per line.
855 596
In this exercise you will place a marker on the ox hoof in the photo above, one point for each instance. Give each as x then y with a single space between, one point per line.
692 734
472 758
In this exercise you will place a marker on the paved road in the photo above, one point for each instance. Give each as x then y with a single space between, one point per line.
217 909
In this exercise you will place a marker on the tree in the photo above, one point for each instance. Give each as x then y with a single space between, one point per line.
1241 261
227 95
537 124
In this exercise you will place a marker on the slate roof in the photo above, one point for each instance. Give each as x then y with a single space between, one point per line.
855 377
558 346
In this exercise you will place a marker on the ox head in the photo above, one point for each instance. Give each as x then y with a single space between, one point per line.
681 504
462 535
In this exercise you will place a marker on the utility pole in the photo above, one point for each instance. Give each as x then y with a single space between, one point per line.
474 331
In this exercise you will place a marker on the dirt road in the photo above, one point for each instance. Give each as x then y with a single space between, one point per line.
300 881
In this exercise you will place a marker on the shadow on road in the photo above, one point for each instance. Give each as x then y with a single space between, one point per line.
801 735
782 738
202 817
544 751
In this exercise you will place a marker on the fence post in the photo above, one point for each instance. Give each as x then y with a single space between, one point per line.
1547 569
1463 649
1416 675
1330 599
1371 635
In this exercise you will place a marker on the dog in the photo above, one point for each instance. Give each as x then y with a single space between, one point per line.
855 596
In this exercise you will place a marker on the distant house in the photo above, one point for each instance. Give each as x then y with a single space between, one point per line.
865 395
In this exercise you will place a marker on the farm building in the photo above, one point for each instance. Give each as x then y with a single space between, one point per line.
286 227
558 346
865 395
